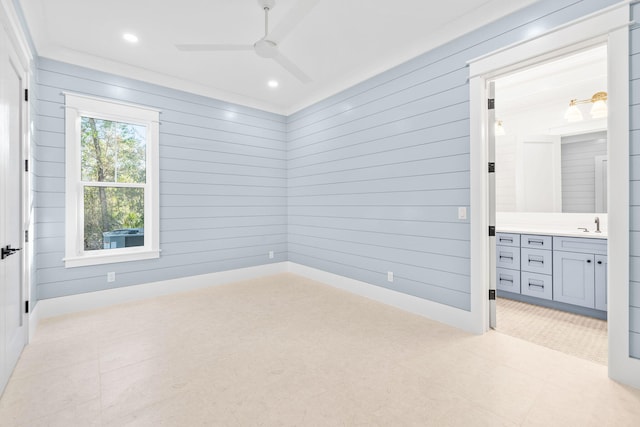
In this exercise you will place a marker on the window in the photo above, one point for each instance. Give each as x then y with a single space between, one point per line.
111 181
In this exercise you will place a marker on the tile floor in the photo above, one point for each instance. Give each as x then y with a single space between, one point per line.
284 350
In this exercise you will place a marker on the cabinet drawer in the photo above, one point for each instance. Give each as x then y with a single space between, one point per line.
536 261
580 244
508 257
536 242
508 280
536 285
508 239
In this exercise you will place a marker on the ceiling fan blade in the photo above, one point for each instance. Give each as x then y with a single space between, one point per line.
212 47
292 68
292 18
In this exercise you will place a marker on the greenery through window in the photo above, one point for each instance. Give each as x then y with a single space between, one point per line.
113 175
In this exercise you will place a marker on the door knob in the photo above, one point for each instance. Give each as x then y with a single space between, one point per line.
8 251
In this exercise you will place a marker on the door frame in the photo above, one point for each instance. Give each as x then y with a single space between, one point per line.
610 26
20 45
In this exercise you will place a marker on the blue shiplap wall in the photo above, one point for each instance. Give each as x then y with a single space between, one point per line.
372 176
377 172
634 238
222 183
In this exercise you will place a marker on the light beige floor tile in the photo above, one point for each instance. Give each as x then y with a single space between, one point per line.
36 396
285 350
85 414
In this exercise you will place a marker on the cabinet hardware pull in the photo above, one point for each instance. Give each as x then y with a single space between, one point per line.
588 261
506 280
506 240
537 285
539 261
506 257
536 242
599 262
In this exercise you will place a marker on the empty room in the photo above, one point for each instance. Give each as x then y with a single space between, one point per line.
320 212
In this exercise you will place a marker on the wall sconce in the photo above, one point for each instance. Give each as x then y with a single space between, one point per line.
499 128
598 109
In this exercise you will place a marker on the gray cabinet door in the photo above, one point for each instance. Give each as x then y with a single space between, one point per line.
573 278
601 282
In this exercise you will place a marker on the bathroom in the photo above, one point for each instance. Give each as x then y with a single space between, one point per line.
551 201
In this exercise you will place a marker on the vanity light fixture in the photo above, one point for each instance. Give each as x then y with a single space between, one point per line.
499 128
598 109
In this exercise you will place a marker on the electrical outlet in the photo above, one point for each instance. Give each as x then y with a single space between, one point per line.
390 276
111 276
270 254
462 212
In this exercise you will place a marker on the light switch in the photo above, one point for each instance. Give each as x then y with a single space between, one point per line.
462 212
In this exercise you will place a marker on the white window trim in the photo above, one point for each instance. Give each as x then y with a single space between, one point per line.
76 106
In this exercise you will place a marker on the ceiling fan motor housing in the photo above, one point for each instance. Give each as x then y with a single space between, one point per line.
267 4
266 48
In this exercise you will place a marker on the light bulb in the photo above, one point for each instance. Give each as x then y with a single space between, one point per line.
573 113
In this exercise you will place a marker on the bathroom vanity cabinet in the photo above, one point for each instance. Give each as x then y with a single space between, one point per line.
556 271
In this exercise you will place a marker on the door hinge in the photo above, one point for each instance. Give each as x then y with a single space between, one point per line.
26 95
26 307
26 165
492 167
26 236
492 231
492 294
491 104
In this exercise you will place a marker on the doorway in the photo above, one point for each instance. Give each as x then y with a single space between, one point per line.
13 292
550 133
611 27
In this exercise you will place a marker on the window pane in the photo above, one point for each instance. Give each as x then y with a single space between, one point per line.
113 217
112 151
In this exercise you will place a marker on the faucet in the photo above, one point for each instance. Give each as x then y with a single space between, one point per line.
584 229
597 221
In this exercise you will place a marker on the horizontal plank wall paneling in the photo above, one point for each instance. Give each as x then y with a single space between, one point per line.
578 156
223 172
376 174
634 217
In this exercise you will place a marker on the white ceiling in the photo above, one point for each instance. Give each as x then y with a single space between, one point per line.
338 43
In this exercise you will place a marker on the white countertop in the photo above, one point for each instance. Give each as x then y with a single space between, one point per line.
550 232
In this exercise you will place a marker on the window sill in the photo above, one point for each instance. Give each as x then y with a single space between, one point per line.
109 258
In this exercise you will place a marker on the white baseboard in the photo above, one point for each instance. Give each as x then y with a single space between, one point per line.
75 303
439 312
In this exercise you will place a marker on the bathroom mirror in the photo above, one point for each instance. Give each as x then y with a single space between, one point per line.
547 160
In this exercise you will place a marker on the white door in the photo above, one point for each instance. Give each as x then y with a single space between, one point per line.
12 317
601 184
538 174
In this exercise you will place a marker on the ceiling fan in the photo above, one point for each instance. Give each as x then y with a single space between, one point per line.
267 46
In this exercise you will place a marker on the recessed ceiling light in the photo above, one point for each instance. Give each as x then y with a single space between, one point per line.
273 84
131 38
